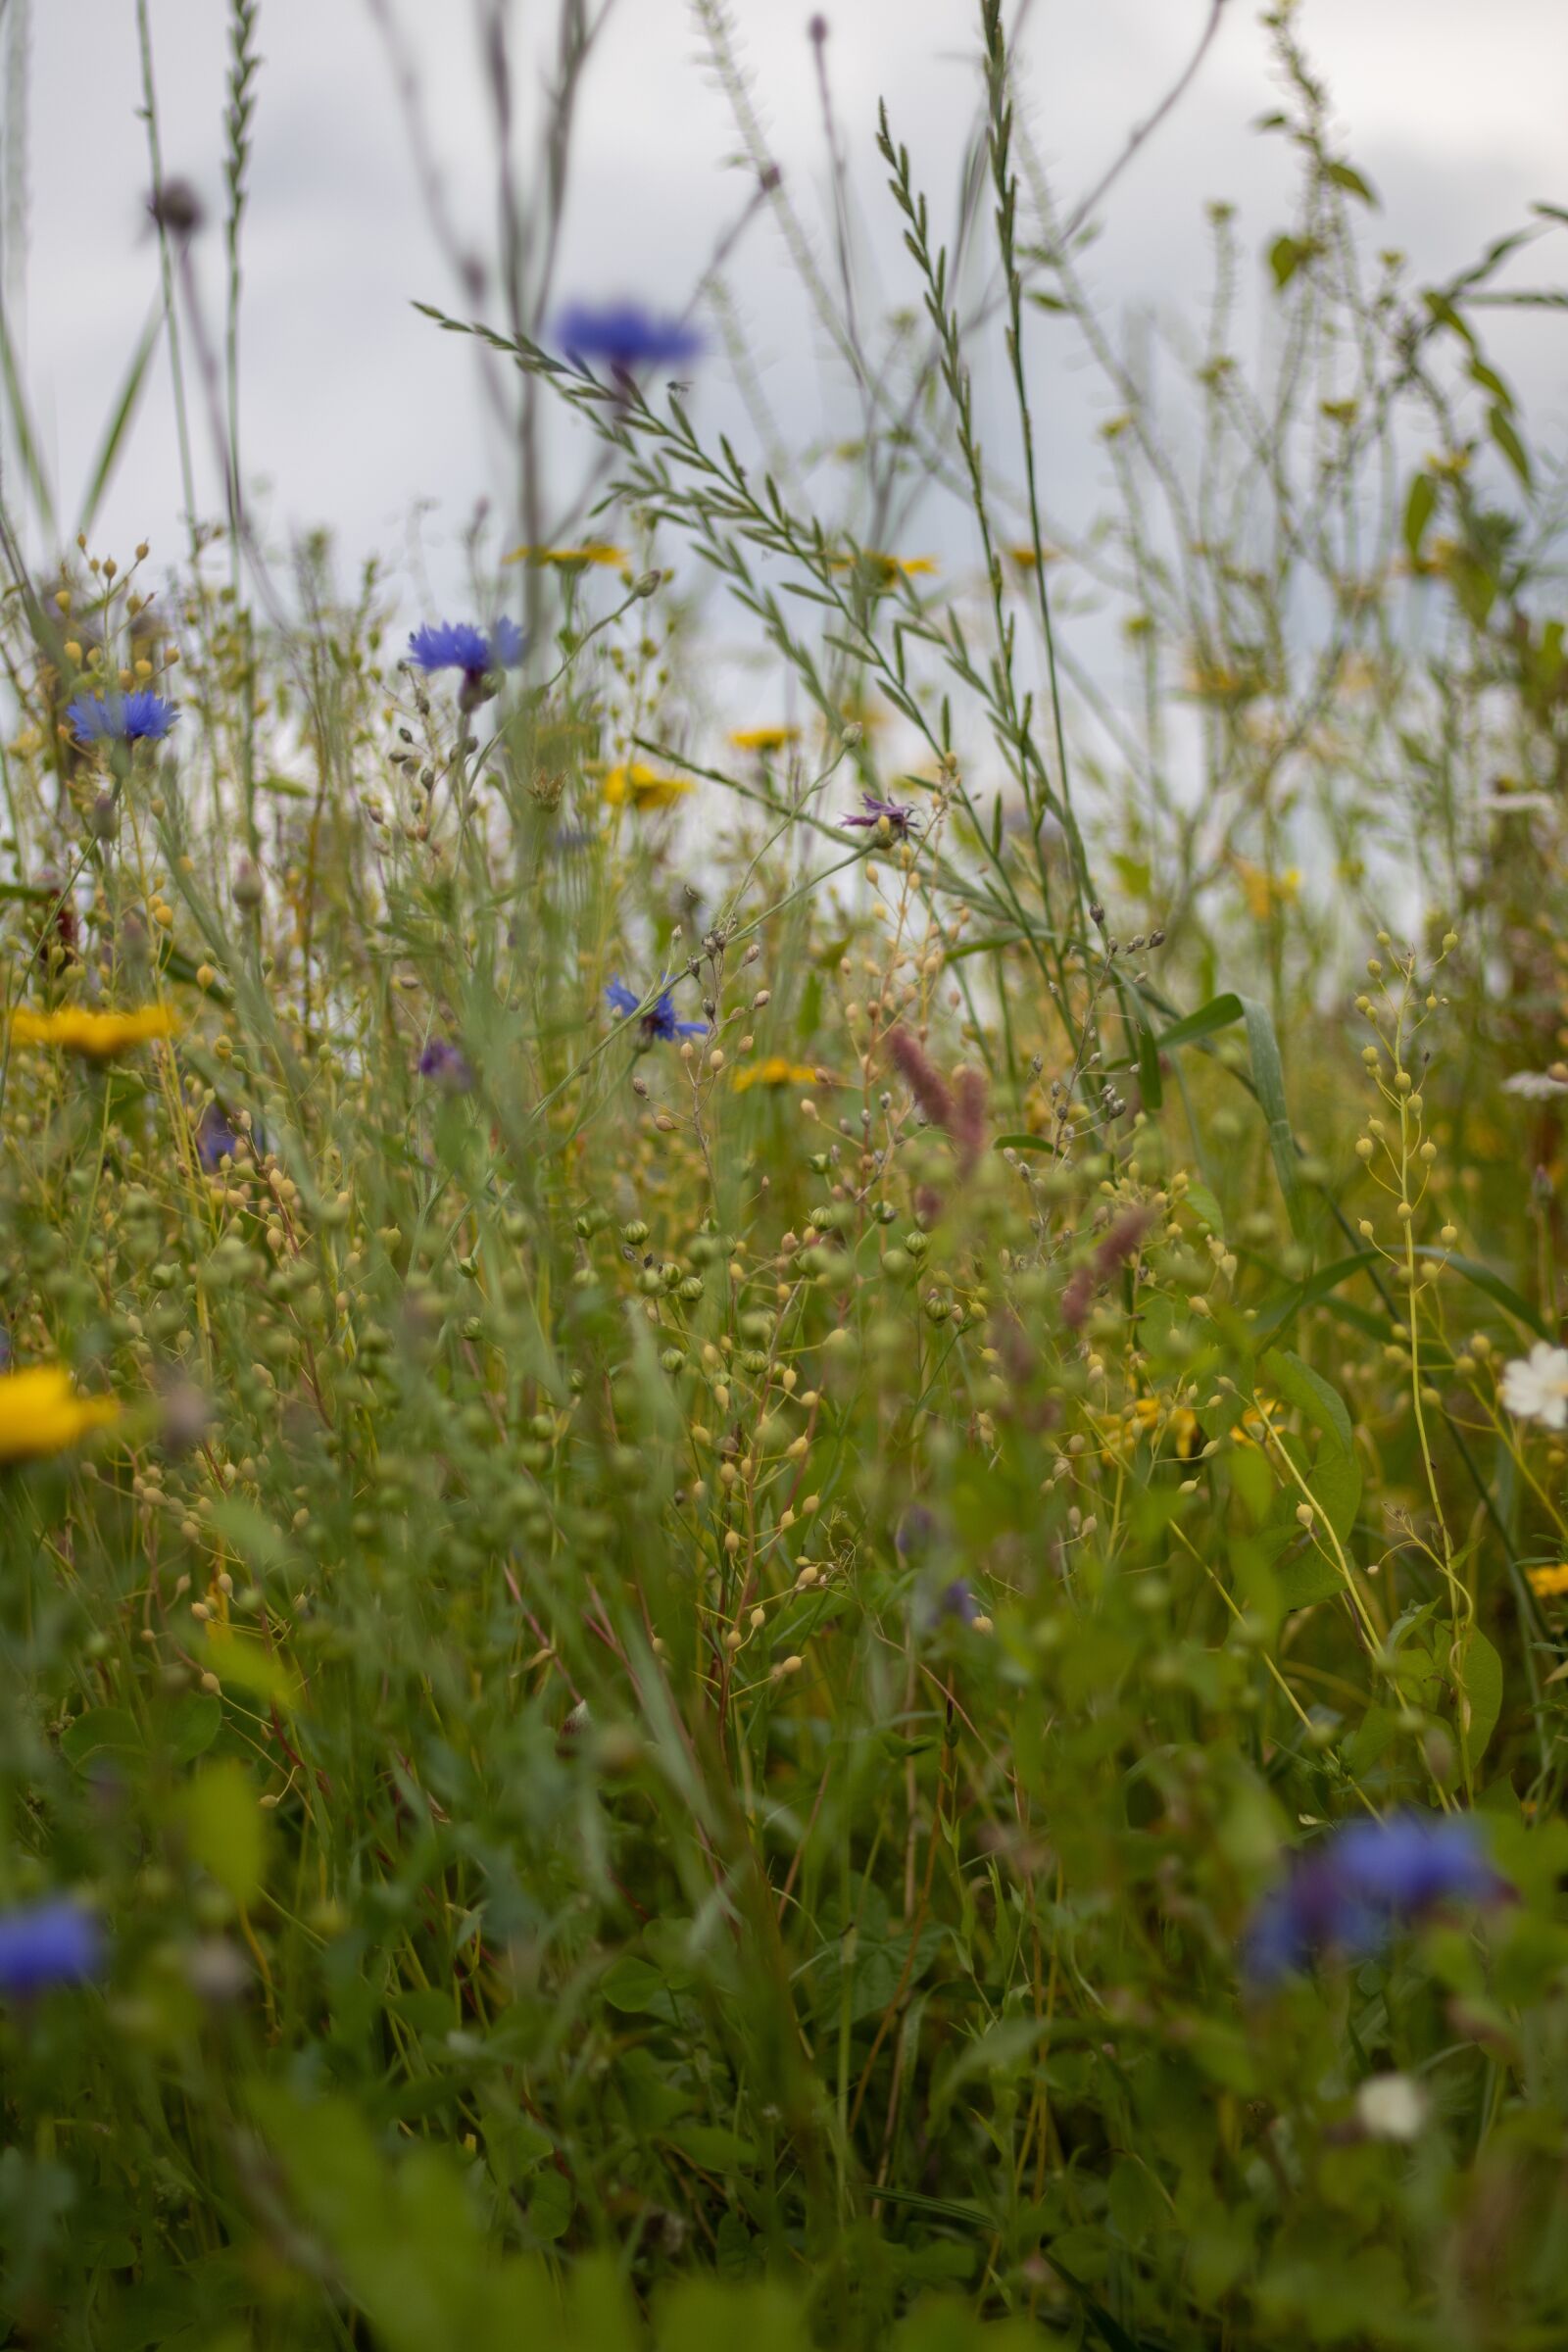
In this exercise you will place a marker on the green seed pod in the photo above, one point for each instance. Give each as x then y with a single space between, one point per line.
692 1288
937 1308
673 1360
634 1234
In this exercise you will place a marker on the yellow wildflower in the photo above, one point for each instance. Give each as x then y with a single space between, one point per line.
570 558
643 787
1023 555
1547 1583
887 567
1256 1424
764 739
1264 891
40 1413
98 1035
776 1070
1144 1418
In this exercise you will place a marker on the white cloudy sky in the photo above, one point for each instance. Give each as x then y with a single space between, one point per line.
357 412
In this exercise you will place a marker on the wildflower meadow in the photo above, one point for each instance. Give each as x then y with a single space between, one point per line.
783 1406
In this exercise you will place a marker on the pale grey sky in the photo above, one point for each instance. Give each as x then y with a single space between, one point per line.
355 411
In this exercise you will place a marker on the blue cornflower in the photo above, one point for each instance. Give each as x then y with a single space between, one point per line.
459 644
52 1943
659 1020
447 1067
1365 1880
216 1138
917 1531
140 718
622 336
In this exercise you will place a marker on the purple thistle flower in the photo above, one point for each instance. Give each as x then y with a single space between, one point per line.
459 644
622 336
53 1942
447 1067
1362 1881
898 818
660 1021
140 718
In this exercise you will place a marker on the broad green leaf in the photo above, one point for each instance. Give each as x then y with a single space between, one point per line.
1310 1578
112 1731
240 1659
192 1725
1310 1394
222 1825
1479 1674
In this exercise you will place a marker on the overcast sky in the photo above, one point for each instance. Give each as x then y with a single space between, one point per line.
358 414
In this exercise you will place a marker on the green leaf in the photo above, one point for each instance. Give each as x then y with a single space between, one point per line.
1344 175
1479 1676
112 1731
194 1723
1373 1735
1268 1077
222 1825
1482 1278
1218 1013
1303 1581
1204 1207
120 416
1310 1394
1275 1313
551 2204
1286 256
632 1983
1420 505
1501 427
1335 1482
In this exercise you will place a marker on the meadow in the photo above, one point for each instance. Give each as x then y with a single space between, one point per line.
782 1539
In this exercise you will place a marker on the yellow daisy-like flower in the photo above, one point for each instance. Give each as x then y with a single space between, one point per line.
887 567
640 787
41 1413
1024 556
570 558
776 1070
764 739
97 1035
1547 1583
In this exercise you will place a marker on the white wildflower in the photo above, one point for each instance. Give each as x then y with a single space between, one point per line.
1536 1086
1535 1387
1390 2107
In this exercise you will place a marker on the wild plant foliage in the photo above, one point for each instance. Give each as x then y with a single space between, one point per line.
782 1486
